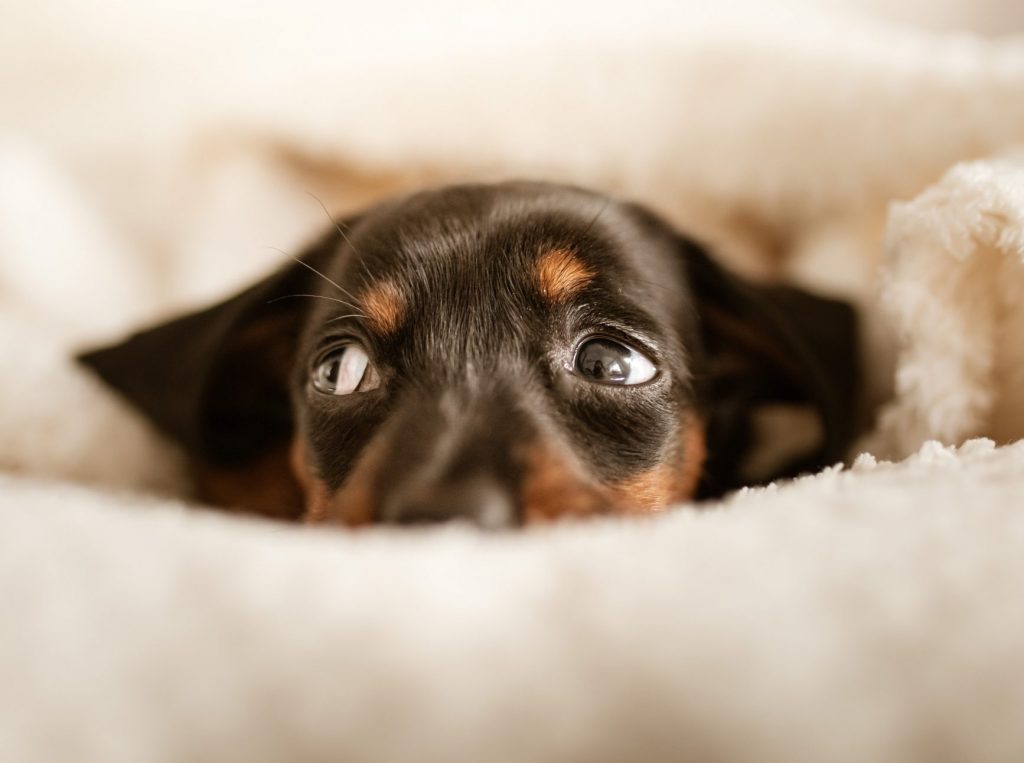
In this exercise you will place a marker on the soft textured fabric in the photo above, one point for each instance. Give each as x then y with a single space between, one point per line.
864 615
152 157
953 284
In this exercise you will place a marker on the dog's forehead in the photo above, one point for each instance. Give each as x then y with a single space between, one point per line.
473 225
493 235
471 262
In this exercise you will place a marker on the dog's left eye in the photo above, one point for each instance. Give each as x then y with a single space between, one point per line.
343 371
609 362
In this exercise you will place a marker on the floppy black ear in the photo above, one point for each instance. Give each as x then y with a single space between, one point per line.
216 381
771 352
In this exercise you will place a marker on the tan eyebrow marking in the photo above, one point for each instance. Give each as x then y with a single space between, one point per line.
384 305
560 274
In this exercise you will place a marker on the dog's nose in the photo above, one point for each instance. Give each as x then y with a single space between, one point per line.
479 501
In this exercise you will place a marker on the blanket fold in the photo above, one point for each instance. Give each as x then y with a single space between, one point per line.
953 283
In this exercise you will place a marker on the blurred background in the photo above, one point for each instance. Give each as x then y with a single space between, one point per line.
160 153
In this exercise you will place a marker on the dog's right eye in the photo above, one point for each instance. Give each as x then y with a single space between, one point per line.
343 371
606 361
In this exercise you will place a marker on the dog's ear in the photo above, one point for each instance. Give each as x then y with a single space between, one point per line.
781 379
217 381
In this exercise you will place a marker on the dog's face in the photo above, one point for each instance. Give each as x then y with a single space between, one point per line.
502 354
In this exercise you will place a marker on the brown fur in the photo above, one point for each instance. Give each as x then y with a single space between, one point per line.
265 485
647 491
691 464
667 483
316 495
384 305
353 504
553 488
560 274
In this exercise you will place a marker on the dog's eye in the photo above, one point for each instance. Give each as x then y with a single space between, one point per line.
344 370
609 362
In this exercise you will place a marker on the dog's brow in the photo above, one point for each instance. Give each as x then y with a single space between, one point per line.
560 274
384 305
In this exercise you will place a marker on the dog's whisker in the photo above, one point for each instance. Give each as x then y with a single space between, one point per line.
312 296
365 270
600 212
350 315
656 285
331 281
304 264
330 217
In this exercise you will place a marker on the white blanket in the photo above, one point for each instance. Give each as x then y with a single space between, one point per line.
150 161
871 615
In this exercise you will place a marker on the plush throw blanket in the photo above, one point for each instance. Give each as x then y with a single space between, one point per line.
150 162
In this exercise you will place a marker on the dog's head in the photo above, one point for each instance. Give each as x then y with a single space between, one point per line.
504 354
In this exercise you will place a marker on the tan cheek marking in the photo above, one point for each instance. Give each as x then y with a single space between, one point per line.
666 483
384 305
691 465
354 503
552 488
317 497
646 492
560 274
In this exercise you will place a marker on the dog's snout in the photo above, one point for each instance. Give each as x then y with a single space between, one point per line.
480 501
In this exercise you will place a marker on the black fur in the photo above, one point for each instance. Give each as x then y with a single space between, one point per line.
478 367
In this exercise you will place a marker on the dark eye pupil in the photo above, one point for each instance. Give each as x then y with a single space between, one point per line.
604 360
327 372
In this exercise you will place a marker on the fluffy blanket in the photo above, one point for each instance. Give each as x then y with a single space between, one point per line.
864 615
149 162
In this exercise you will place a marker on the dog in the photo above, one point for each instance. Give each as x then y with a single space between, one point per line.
502 354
